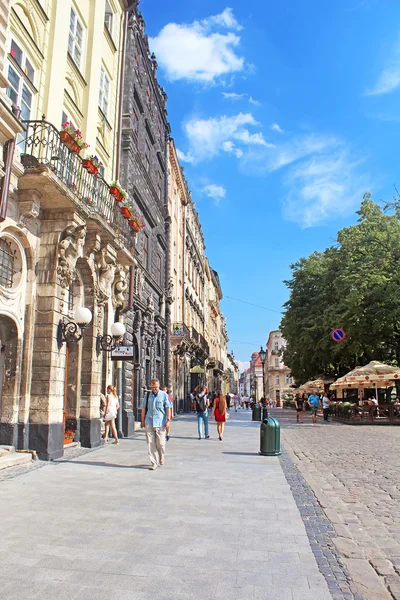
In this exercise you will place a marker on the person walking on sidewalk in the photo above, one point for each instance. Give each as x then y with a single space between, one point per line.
168 424
313 402
325 406
220 414
156 413
112 406
202 404
299 403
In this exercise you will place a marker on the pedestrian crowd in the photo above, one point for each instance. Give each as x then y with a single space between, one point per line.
312 403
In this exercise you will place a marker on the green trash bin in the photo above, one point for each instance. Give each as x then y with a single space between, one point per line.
270 437
256 415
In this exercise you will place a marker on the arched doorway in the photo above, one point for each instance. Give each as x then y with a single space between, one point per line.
9 379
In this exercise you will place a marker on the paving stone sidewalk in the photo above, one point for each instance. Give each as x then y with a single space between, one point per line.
217 521
355 474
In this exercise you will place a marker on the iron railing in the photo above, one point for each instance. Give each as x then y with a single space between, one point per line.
42 142
382 414
180 330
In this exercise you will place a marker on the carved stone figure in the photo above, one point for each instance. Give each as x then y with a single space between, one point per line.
150 309
120 287
169 291
105 277
70 248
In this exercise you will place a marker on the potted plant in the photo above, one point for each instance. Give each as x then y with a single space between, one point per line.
118 192
126 211
90 201
135 222
114 226
68 436
72 138
92 164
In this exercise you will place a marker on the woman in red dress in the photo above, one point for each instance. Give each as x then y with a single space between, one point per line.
219 412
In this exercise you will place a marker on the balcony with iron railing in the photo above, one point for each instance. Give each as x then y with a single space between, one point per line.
49 163
179 330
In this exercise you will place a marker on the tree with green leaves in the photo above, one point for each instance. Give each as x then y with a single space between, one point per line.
354 285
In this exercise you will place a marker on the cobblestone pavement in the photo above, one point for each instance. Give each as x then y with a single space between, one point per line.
354 473
216 522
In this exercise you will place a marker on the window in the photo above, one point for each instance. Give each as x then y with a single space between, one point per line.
135 122
288 380
7 270
159 185
108 18
19 93
145 251
277 380
104 91
147 156
158 269
75 40
276 346
277 362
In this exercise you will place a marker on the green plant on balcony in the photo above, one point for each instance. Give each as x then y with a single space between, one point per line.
126 210
136 222
72 138
118 192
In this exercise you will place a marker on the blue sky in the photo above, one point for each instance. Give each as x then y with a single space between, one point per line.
284 115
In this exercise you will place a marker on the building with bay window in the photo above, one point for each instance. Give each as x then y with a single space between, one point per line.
64 244
278 377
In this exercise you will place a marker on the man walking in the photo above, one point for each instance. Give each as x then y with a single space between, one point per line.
156 413
325 406
202 404
313 401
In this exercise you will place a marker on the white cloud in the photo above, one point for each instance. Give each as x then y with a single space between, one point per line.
276 127
233 95
214 191
208 137
196 52
324 187
184 157
389 79
225 19
243 365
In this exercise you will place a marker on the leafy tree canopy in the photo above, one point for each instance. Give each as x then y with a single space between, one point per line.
355 285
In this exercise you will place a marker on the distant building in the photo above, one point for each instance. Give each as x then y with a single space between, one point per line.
278 377
256 376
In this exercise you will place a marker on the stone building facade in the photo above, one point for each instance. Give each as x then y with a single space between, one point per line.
143 174
63 241
278 377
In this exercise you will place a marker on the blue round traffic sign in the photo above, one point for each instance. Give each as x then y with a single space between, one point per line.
338 335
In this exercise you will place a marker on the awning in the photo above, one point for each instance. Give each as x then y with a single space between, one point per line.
197 369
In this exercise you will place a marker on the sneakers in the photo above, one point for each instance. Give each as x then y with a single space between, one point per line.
115 442
167 437
207 437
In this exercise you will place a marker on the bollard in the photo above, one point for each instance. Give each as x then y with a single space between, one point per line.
256 414
270 437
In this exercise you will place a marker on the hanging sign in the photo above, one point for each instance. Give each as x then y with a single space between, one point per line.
123 353
338 335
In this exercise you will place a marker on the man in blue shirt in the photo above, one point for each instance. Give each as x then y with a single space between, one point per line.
313 401
156 412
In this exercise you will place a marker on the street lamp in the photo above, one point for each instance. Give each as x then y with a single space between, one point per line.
72 331
107 343
262 354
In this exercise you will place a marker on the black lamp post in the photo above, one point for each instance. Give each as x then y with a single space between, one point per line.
262 354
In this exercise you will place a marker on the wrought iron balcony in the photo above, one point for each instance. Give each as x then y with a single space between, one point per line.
41 146
180 330
195 335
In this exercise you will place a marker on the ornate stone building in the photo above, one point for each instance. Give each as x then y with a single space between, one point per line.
190 349
278 377
63 242
143 173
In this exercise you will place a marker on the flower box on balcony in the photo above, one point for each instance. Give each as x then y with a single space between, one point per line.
89 166
69 141
114 191
126 213
117 191
133 224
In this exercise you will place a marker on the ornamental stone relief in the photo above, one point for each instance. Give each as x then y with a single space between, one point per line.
105 270
70 248
120 287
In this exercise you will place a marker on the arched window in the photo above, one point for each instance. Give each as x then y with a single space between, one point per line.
7 260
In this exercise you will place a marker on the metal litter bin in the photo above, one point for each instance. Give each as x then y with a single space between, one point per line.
270 437
256 414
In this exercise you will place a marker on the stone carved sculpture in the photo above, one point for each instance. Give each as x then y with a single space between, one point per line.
105 277
139 282
120 287
70 248
169 291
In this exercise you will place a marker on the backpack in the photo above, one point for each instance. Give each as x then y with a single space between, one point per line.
201 405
